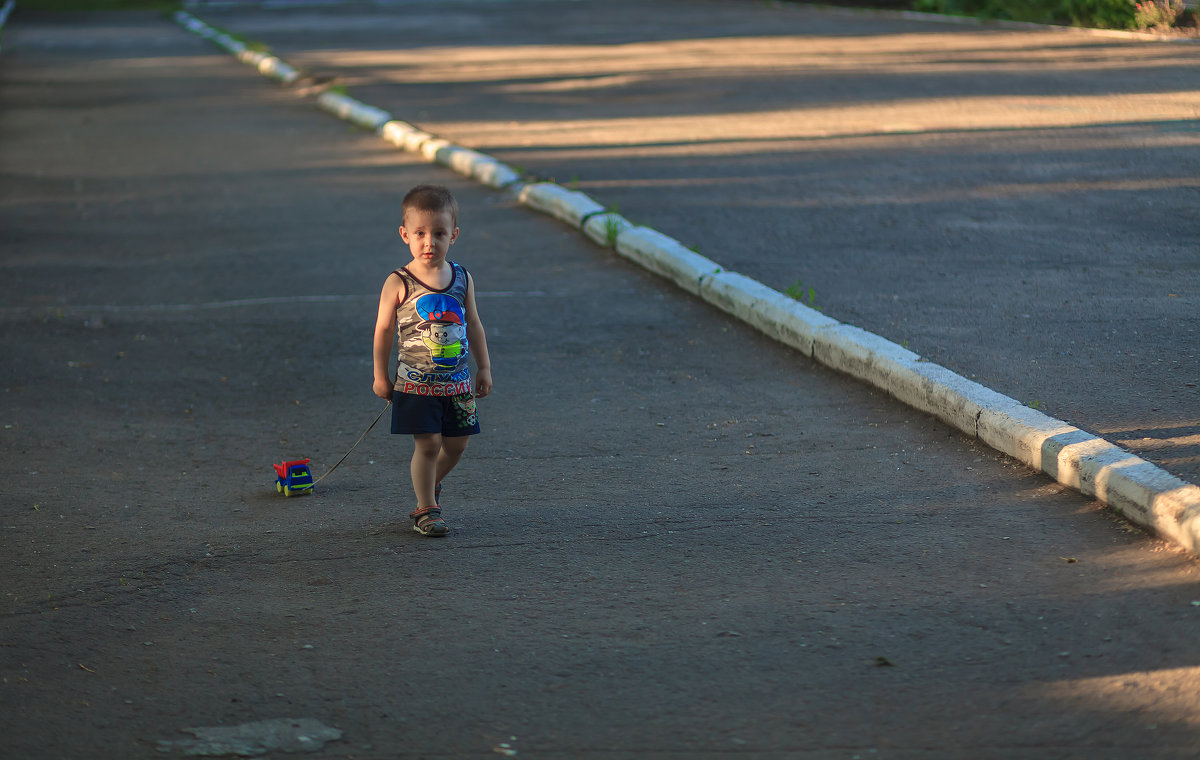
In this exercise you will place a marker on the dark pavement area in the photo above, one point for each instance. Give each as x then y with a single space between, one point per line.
675 538
1018 205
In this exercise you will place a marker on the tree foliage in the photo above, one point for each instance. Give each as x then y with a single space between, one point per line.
1105 14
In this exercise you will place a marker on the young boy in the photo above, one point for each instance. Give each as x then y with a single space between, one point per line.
430 305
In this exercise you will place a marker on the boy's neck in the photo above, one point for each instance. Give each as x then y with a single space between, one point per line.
432 272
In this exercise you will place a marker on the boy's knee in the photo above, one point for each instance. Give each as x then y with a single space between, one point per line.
455 445
427 445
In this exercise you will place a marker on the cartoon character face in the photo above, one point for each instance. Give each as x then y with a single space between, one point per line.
445 341
444 333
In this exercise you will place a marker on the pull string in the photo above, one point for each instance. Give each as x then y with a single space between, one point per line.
352 448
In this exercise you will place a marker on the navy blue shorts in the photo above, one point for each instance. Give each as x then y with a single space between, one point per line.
452 416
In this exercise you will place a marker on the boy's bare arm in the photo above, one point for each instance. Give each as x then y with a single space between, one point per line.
477 340
385 336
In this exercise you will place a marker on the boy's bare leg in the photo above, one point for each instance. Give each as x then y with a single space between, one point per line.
450 455
427 450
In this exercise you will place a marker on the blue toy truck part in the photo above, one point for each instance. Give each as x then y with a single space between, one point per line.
293 478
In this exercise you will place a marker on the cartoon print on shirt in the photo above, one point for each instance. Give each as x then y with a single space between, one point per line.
444 330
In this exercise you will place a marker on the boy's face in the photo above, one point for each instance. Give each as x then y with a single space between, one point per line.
429 235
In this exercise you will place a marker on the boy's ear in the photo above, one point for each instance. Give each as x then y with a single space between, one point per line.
403 233
453 236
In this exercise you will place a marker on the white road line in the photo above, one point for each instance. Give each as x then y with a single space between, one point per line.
90 309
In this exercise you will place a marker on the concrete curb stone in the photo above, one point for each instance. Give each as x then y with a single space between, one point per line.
266 63
667 257
429 148
5 10
938 391
860 354
404 136
604 228
465 161
570 206
1145 494
771 312
478 166
1028 435
270 66
353 111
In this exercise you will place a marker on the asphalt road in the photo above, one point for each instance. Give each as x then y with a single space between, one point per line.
653 555
1018 205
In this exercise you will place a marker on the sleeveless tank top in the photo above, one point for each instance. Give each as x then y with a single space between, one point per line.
432 330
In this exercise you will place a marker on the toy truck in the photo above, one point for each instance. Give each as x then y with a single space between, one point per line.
293 478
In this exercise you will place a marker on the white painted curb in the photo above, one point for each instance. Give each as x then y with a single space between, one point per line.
779 317
861 354
201 29
951 398
429 148
4 11
570 206
604 228
1149 496
404 136
1144 493
470 163
666 256
270 66
265 62
346 107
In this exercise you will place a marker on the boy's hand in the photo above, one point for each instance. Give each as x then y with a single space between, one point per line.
483 382
383 389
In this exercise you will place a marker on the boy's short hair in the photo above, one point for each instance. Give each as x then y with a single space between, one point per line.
433 198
